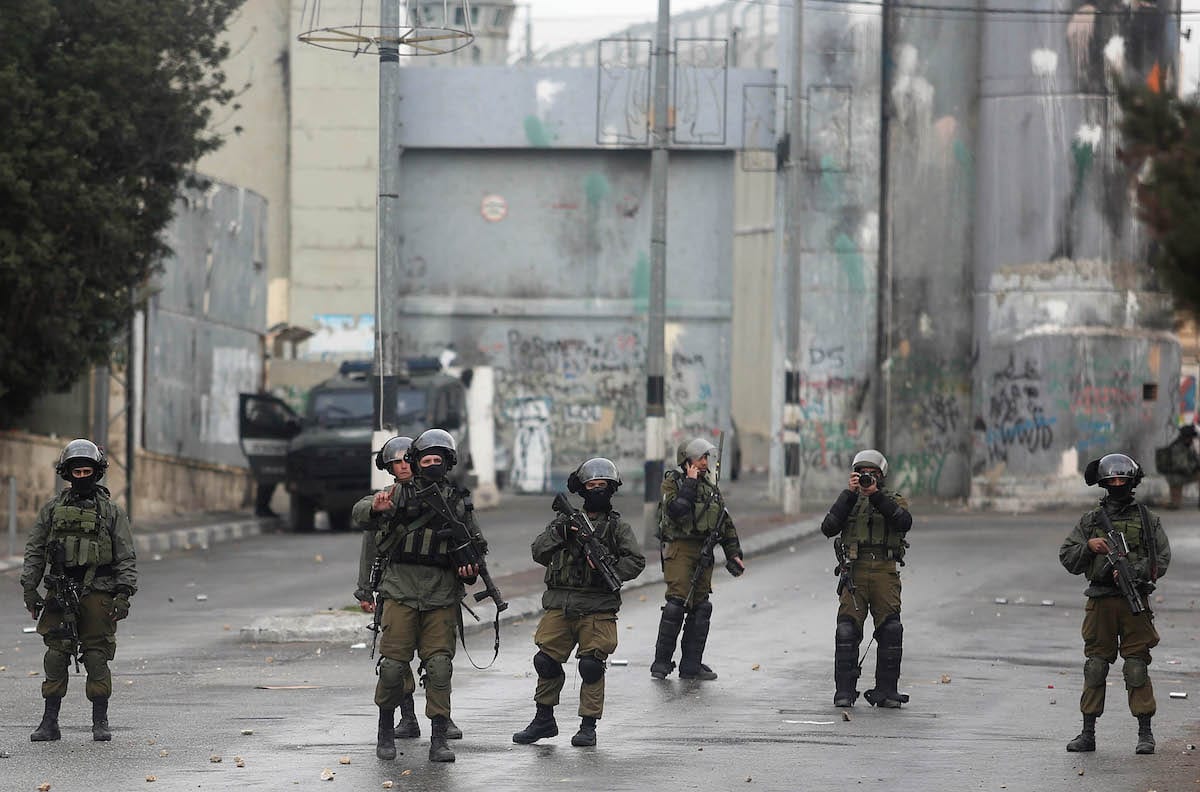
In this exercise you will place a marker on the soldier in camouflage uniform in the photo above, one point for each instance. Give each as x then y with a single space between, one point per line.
580 609
692 507
423 586
98 553
871 523
1110 627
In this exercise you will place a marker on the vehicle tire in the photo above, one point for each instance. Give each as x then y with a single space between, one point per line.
301 514
340 520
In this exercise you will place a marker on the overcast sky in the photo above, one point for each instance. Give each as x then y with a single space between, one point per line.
560 22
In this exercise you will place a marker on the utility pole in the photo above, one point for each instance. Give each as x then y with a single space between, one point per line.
883 327
529 35
387 248
131 396
789 250
656 352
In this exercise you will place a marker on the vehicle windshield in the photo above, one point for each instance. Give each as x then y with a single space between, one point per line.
342 406
410 405
358 406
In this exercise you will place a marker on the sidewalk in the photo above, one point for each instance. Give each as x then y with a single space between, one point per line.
185 532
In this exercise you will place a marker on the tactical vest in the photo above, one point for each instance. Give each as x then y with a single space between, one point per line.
866 528
568 567
410 537
705 512
1128 523
83 532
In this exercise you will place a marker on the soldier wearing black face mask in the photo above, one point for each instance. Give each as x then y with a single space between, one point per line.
91 536
581 610
1110 626
422 586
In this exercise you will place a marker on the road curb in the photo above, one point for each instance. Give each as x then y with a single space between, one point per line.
350 627
197 538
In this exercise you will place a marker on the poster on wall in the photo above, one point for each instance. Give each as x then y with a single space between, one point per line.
1188 377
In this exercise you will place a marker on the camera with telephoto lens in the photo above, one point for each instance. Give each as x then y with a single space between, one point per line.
866 480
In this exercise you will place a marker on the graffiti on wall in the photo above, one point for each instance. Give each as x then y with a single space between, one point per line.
561 400
1016 414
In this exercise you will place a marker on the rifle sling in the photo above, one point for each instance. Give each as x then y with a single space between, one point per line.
1151 542
462 637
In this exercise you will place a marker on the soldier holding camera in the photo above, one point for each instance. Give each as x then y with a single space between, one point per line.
870 523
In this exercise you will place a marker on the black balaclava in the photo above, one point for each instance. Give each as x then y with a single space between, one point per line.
1120 495
432 472
597 501
85 487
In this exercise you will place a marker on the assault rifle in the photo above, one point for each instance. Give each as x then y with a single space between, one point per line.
844 570
376 579
1118 559
597 555
464 546
66 591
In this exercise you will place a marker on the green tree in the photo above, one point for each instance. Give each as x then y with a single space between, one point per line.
104 105
1161 147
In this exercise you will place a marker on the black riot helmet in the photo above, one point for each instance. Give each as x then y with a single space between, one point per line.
394 450
81 453
595 468
434 441
1118 466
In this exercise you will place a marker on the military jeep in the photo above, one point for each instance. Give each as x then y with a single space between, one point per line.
324 456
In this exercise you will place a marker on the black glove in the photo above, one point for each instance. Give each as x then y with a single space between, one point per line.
734 567
120 606
34 602
363 596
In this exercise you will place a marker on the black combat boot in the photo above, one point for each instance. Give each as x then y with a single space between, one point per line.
385 740
100 730
846 639
438 750
586 735
691 646
668 633
542 725
1086 741
48 729
1145 743
407 727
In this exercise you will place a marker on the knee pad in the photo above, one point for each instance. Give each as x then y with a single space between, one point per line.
673 611
591 670
891 632
702 611
56 664
847 632
546 666
1137 673
96 663
1095 671
438 670
392 673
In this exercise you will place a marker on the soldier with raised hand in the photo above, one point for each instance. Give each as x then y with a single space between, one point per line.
1110 625
871 523
692 508
87 533
422 587
580 605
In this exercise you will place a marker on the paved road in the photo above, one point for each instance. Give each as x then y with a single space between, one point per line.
186 686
